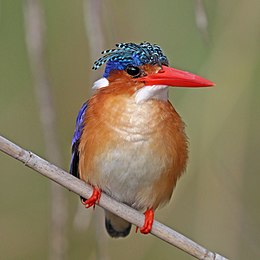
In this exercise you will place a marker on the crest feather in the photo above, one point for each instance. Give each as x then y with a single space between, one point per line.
131 54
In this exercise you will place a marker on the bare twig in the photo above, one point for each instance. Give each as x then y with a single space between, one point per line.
81 188
35 36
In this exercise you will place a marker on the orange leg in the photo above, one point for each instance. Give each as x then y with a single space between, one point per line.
148 222
94 198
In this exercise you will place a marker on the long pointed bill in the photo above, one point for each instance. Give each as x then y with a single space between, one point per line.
173 77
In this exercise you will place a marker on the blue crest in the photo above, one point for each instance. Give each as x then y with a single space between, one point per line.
131 54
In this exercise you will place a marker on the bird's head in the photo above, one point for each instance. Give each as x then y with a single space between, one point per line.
143 69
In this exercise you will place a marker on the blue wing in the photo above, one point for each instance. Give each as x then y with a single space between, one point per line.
76 139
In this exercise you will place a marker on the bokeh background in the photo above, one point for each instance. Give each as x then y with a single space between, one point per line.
216 203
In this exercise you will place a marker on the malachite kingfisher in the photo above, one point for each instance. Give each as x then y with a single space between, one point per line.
129 141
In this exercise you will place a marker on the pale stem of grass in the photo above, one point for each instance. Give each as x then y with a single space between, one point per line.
35 40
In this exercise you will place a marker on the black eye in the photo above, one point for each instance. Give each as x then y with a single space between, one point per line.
133 71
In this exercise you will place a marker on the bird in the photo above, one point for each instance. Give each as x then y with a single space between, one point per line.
129 142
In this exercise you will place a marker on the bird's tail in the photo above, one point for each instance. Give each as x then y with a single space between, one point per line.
116 226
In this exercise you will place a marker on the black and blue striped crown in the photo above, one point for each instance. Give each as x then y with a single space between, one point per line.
131 54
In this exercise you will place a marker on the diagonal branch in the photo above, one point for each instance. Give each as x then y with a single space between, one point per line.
81 188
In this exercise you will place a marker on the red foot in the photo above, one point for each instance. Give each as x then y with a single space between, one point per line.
94 198
148 222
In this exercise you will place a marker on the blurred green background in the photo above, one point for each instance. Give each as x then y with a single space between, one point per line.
217 202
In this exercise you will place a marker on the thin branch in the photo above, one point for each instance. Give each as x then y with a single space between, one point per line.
35 39
81 188
94 32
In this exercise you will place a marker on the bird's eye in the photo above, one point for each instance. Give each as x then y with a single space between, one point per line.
133 71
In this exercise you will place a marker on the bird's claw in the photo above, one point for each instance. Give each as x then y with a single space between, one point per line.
94 198
148 222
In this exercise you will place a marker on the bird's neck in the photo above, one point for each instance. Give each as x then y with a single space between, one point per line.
159 92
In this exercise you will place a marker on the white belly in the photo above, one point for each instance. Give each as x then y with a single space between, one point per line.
128 173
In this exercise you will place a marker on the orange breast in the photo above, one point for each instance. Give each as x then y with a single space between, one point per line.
134 152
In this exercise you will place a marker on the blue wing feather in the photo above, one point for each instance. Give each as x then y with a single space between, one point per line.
76 140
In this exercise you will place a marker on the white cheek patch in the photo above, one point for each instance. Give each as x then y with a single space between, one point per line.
159 92
101 83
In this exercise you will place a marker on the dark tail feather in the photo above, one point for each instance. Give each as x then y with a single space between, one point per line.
116 226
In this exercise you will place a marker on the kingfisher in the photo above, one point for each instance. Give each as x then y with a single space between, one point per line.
129 142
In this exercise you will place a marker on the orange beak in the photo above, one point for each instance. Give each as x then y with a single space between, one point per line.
173 77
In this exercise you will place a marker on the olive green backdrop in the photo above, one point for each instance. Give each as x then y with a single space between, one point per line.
216 202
